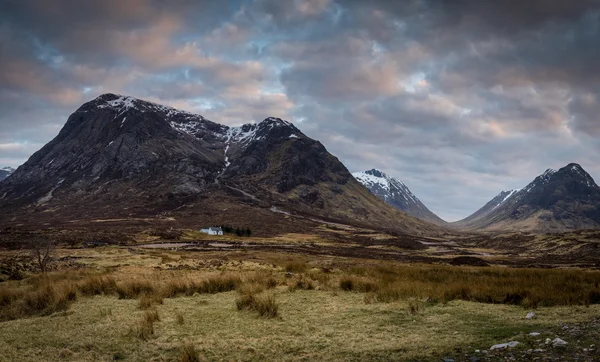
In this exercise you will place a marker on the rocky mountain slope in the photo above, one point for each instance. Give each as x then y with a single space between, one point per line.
396 194
5 172
566 199
121 157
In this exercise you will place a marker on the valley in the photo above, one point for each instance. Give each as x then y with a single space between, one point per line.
102 255
337 292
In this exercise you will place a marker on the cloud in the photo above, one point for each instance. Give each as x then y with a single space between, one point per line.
458 99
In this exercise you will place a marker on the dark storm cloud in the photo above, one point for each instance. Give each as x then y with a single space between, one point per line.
458 99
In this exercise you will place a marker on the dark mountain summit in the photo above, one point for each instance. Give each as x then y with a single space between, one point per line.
556 200
120 156
396 194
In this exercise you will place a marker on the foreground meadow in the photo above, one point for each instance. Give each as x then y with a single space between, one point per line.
114 303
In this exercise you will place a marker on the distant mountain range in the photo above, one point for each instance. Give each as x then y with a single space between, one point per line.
118 157
560 200
5 172
396 194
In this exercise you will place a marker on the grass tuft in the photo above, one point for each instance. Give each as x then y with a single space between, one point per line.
151 316
188 353
265 305
148 300
143 330
179 320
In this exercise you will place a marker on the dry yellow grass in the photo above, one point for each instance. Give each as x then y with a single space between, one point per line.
326 308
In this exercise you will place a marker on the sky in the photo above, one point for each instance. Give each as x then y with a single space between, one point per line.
457 99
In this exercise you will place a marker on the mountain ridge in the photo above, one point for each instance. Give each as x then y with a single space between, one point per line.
145 157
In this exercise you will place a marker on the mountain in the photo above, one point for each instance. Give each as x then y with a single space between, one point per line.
118 157
5 172
396 194
566 199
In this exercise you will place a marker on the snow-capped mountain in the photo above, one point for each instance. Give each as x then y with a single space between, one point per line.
396 194
5 172
555 200
118 156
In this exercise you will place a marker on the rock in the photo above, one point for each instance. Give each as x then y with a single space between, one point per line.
534 334
530 315
474 359
510 344
445 359
557 343
538 350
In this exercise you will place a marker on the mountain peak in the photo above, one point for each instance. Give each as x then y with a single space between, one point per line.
576 172
5 172
395 193
555 200
375 172
156 160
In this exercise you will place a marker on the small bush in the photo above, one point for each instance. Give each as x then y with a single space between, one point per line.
188 353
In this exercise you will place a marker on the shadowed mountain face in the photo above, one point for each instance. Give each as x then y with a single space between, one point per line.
560 200
5 172
396 194
118 156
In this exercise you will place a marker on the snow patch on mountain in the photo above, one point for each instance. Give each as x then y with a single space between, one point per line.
508 194
370 179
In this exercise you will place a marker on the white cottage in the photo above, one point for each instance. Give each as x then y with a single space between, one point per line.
212 231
